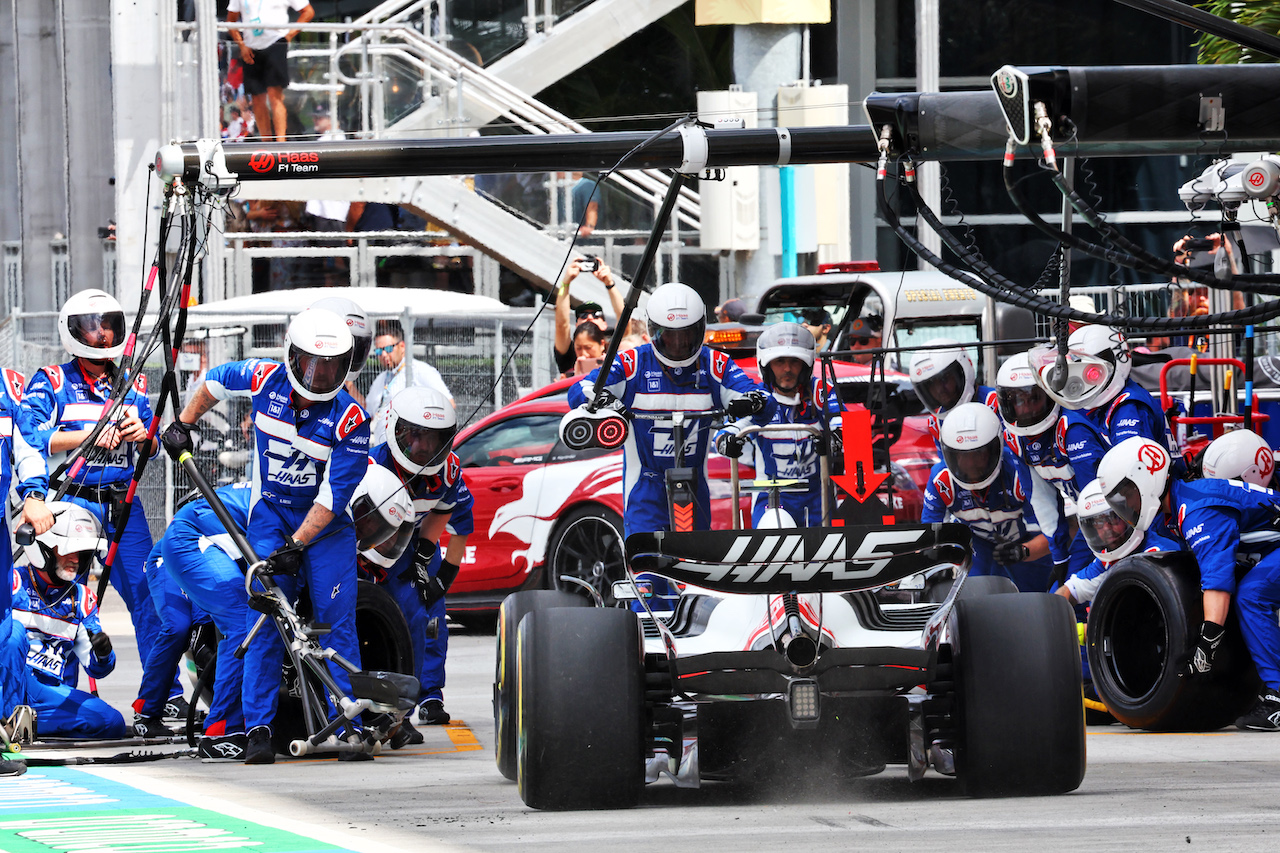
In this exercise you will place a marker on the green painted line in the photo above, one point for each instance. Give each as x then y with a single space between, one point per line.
67 809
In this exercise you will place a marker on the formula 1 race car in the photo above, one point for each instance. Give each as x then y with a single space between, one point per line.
777 649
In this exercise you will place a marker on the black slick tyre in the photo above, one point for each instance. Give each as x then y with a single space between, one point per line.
581 709
513 609
1020 721
1145 618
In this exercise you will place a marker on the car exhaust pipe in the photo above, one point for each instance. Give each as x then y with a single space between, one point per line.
800 650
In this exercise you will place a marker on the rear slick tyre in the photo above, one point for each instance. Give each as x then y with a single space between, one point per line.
1020 720
513 609
581 709
1143 621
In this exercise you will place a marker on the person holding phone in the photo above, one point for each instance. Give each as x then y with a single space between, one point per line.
568 321
589 345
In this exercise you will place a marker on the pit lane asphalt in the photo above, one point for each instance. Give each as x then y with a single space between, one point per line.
1218 791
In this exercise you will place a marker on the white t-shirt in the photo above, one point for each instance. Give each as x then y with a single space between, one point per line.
326 209
261 16
387 384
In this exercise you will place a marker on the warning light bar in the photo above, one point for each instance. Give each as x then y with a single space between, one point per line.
726 336
849 267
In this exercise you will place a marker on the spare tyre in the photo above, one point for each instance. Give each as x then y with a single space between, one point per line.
1142 624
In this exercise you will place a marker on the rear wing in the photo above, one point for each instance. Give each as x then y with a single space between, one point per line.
815 559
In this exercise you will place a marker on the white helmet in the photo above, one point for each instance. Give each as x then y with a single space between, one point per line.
1109 536
1134 476
677 324
785 340
383 515
943 378
1098 365
317 354
972 445
359 326
75 531
1239 455
420 429
1024 406
91 325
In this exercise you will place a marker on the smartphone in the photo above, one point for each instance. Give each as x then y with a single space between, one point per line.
590 263
1197 244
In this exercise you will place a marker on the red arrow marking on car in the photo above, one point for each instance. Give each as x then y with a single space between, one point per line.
860 479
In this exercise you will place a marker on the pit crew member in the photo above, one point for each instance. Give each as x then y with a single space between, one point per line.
60 614
1240 455
784 354
987 487
1212 518
673 372
420 430
201 558
945 379
60 407
312 442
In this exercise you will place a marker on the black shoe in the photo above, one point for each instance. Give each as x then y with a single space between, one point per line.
176 708
406 735
222 748
12 767
354 756
1264 716
259 749
433 713
150 727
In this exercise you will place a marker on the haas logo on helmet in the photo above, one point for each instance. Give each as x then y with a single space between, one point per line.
1265 461
1152 458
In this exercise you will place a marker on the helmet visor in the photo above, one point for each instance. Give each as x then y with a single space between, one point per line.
1126 500
99 331
1106 531
394 546
973 464
678 344
1024 407
360 350
372 527
319 374
942 391
423 445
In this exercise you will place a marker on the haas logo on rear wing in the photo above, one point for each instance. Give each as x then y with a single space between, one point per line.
823 559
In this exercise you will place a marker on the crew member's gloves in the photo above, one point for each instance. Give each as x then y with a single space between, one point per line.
751 403
1201 660
730 444
1009 553
1059 576
1274 509
831 444
101 644
611 403
430 589
287 559
177 439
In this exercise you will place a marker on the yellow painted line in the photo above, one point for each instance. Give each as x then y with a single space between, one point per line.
464 740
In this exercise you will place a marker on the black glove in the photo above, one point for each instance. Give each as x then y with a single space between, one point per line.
177 439
1009 553
1200 661
610 402
1274 509
428 588
831 444
1059 576
287 559
101 644
730 445
751 403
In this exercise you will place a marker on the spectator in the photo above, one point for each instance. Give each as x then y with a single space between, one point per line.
390 349
730 311
564 353
864 334
586 203
589 345
637 334
264 50
817 321
236 128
